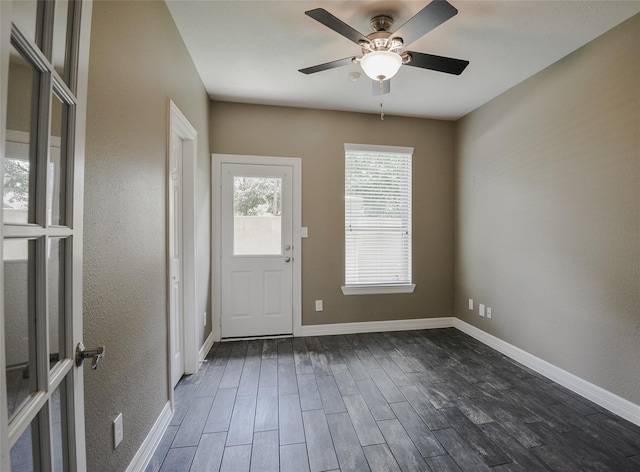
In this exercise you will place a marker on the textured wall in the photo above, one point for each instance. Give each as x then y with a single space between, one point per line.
548 213
318 138
138 62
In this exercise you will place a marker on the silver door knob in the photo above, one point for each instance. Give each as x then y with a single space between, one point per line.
287 259
94 354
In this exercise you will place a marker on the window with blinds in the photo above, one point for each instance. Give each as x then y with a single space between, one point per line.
377 219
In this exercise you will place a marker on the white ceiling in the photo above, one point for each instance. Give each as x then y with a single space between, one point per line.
250 51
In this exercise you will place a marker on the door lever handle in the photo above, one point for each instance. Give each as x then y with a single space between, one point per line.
94 354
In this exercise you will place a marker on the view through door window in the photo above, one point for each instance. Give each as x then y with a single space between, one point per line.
257 215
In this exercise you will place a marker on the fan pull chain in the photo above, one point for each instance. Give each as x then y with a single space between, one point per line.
381 100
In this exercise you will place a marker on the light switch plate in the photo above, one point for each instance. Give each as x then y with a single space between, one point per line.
471 304
481 306
304 232
118 432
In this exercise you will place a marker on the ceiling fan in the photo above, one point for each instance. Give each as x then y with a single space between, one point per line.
382 50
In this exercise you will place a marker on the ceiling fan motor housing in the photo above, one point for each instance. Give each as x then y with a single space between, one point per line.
381 41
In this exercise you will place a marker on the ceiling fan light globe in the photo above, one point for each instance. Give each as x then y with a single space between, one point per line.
381 65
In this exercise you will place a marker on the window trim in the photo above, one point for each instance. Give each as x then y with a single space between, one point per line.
382 288
378 289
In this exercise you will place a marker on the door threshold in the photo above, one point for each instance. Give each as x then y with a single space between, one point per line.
250 338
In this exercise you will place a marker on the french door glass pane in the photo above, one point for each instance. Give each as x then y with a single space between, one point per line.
25 15
60 38
257 211
19 165
57 166
23 453
59 428
19 319
56 302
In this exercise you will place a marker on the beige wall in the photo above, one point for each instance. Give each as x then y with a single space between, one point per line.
138 62
318 138
548 213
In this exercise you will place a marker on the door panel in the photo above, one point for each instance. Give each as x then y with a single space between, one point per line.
176 295
257 235
274 292
42 421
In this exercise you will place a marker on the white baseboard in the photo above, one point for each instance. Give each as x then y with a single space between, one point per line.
376 326
145 453
206 347
612 402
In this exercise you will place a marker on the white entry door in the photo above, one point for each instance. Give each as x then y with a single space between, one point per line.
43 80
257 250
176 294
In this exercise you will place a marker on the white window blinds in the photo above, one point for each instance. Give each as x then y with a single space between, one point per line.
377 215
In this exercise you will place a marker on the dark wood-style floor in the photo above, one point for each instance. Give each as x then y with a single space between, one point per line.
413 400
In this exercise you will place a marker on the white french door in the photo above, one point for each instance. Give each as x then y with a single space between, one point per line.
259 253
44 46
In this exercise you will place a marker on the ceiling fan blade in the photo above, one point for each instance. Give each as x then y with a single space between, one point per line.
427 19
337 25
448 65
386 87
328 65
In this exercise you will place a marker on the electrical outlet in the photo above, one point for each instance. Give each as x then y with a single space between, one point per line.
471 304
319 305
481 312
204 319
118 432
489 312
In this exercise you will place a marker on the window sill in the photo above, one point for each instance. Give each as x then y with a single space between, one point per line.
377 289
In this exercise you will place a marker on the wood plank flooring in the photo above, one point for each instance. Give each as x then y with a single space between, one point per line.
432 400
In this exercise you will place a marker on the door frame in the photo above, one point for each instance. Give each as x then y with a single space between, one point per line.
216 209
180 126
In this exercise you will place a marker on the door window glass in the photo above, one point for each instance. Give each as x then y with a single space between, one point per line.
57 165
25 15
24 450
58 428
60 38
19 165
257 214
56 302
19 321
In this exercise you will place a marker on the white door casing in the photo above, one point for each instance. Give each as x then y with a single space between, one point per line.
181 243
256 280
56 233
